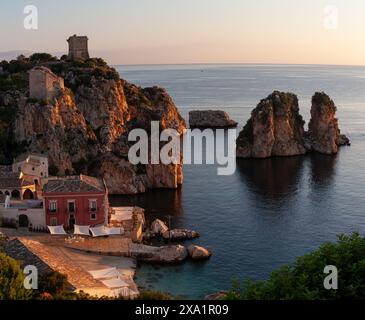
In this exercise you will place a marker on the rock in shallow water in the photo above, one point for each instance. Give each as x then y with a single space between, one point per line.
159 227
210 119
165 254
180 234
199 253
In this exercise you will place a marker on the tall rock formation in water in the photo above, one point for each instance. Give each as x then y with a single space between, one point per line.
324 135
85 128
275 129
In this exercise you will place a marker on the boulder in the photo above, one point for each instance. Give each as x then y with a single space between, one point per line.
324 135
172 254
275 129
159 227
180 234
164 254
199 253
210 119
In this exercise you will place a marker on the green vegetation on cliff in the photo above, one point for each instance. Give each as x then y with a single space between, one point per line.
14 73
304 279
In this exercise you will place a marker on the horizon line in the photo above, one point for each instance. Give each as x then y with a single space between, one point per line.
57 54
238 63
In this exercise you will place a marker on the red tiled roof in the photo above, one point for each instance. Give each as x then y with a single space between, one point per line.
13 180
74 184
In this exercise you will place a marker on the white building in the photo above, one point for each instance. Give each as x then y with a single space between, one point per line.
23 213
32 164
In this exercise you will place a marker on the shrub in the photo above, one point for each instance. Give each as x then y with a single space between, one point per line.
304 279
11 280
42 57
54 284
153 295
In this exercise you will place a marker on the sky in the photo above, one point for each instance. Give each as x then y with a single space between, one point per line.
193 31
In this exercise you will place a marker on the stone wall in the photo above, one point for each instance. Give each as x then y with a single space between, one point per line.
43 84
35 216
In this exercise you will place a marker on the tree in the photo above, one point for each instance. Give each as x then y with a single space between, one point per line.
55 284
42 57
11 280
304 280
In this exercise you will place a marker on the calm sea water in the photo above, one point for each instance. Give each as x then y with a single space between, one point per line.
270 211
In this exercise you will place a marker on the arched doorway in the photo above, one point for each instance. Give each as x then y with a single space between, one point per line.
15 194
7 193
1 192
23 221
28 195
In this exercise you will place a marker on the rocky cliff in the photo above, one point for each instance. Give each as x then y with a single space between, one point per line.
277 129
85 129
274 129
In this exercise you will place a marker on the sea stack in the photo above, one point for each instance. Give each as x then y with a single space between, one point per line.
324 135
275 129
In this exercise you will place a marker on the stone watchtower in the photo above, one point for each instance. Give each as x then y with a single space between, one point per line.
78 48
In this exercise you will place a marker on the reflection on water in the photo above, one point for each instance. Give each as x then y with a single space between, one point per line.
271 178
323 169
266 214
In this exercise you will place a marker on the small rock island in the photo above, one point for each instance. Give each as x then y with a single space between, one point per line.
210 119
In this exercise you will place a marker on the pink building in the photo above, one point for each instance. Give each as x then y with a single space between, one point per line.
80 200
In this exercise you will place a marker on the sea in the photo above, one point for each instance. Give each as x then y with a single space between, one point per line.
270 211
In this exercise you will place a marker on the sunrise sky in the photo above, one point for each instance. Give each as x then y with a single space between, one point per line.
193 31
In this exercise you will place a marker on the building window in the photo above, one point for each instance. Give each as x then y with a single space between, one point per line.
93 206
93 216
53 221
53 206
42 174
71 206
33 169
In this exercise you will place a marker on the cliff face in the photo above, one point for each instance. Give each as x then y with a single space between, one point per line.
277 129
324 135
85 129
274 129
